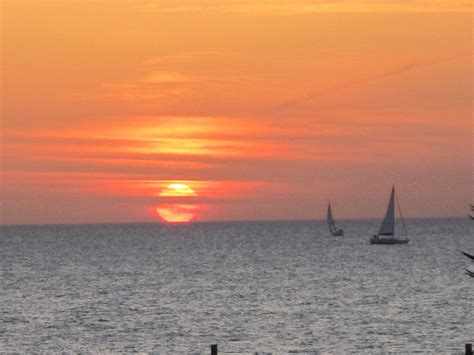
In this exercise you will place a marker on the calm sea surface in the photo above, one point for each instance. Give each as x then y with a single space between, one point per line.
261 286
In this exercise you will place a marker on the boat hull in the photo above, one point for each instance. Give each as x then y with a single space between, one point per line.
338 233
387 241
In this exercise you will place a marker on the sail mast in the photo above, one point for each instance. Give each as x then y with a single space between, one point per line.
401 217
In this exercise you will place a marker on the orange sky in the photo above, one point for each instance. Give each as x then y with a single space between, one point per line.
265 109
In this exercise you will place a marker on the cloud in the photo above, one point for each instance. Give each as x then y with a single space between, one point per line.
162 77
393 72
299 7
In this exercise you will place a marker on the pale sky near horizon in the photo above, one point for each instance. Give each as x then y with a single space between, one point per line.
266 109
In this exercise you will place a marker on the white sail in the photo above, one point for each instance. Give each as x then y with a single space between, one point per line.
388 225
331 225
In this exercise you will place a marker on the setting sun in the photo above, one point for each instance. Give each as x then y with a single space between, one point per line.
177 212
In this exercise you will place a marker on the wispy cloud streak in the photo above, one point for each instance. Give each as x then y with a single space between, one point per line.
300 7
394 72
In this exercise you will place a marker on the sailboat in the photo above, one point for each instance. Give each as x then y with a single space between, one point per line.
337 232
386 234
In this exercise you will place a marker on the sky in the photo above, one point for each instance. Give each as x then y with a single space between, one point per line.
263 109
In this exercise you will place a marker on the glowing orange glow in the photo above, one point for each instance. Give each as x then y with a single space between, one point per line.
164 117
177 212
177 189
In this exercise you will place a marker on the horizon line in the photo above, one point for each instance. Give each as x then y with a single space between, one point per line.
216 221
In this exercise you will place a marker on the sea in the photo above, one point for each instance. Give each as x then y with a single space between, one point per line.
269 287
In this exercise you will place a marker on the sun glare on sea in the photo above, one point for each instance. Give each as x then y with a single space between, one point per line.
177 212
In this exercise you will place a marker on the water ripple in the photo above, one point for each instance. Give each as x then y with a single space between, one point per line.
280 287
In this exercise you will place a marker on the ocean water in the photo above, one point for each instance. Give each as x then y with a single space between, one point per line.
250 287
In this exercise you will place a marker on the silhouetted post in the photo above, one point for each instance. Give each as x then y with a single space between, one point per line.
468 349
214 349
